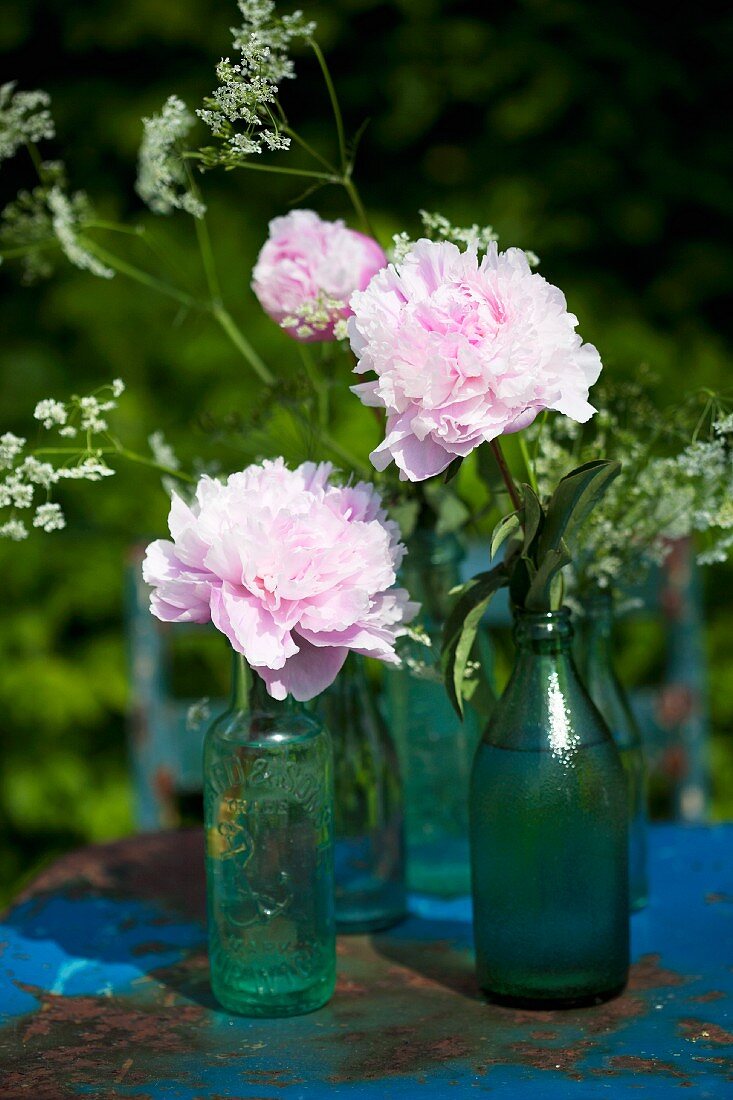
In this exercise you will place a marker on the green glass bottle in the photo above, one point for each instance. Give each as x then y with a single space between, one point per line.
435 748
595 659
268 805
368 825
549 834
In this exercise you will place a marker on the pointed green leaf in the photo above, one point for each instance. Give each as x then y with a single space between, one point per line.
461 626
505 528
539 596
532 518
452 470
572 501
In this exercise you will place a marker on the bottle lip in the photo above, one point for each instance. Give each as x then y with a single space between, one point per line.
426 547
562 615
539 625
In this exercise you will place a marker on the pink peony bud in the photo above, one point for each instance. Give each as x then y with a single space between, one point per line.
308 269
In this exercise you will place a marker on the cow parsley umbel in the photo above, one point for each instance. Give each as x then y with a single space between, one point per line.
162 180
668 489
243 110
24 118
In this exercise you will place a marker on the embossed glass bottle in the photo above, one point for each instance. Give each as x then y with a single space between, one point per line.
549 833
268 802
368 823
595 658
435 748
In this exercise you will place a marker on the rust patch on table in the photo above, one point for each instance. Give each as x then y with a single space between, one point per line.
706 998
698 1031
628 1063
83 1042
444 1018
143 868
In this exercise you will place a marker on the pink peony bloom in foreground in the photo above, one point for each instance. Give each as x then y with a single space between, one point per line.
296 571
308 269
464 351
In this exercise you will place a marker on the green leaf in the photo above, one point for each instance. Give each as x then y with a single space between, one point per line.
572 502
461 626
532 518
505 528
452 470
542 589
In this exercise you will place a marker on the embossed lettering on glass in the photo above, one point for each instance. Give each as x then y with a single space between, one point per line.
268 792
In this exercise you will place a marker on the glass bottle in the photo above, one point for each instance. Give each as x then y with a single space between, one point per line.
268 804
435 748
595 652
549 833
368 823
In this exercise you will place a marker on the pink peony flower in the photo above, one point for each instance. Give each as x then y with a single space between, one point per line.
464 351
296 571
308 269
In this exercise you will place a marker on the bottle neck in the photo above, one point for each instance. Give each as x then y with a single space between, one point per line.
430 571
249 692
598 631
543 634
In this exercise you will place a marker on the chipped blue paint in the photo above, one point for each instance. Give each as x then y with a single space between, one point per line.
107 993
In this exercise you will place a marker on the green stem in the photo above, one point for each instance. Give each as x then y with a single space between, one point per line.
23 250
505 473
309 149
131 456
344 454
243 345
352 192
335 107
279 170
319 387
143 277
527 461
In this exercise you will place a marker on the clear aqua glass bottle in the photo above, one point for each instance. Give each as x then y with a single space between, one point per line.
435 748
369 821
595 659
549 834
268 804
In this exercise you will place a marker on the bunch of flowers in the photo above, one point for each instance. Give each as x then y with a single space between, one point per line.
293 568
673 485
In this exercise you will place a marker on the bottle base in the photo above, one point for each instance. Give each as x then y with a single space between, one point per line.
295 1006
535 1001
361 926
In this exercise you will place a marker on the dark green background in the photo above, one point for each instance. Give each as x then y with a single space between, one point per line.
592 133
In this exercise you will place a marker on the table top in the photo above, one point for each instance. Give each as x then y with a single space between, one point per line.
104 993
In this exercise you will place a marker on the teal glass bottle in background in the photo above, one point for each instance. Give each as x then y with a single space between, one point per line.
369 868
435 748
595 659
268 806
549 833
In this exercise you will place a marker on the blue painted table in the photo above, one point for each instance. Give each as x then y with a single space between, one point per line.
104 993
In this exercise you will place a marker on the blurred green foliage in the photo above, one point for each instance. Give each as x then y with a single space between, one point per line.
592 134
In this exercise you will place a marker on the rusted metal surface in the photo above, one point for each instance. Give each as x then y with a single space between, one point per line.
104 993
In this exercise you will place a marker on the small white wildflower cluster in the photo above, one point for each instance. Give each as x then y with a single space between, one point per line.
315 315
656 500
39 222
439 228
248 88
24 473
198 714
24 119
68 214
161 173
